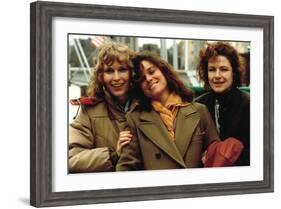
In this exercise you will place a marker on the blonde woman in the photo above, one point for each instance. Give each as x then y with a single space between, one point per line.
97 134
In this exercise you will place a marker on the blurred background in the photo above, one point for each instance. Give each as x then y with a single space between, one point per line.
182 54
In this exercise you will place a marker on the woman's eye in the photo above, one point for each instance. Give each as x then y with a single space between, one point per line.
108 71
123 70
151 71
211 69
224 69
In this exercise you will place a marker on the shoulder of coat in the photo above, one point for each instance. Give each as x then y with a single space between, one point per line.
85 101
192 108
202 97
198 107
97 110
245 96
242 98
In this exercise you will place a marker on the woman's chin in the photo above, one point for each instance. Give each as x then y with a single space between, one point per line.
219 90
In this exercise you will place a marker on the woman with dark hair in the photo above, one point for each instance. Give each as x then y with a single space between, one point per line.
219 68
169 130
97 134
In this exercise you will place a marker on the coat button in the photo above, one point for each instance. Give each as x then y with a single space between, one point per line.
158 155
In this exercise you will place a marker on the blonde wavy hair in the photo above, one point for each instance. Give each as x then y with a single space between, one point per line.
107 55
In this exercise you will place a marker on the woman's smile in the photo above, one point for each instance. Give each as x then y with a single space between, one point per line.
154 84
220 75
116 80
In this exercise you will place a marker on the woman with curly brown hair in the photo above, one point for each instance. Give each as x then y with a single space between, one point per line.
219 68
169 130
97 134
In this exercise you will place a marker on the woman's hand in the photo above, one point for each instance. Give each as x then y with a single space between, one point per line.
203 157
124 138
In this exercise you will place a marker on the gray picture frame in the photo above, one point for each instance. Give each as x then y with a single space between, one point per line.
41 15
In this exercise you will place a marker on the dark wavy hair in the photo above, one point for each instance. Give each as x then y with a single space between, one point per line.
108 54
173 81
219 49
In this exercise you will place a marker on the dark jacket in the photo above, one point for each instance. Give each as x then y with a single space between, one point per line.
152 148
234 117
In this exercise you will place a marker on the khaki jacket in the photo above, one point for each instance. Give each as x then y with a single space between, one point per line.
93 137
152 148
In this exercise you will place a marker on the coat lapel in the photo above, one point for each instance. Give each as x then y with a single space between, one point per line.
154 129
187 121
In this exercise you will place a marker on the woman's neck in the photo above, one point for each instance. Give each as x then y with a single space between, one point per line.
122 100
224 97
164 97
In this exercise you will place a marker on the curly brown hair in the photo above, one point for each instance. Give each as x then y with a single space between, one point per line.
219 49
108 54
174 83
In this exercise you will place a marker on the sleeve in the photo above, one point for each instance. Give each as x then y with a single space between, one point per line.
245 133
130 157
211 132
83 156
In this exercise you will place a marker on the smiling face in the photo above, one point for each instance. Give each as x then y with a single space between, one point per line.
220 74
116 79
153 83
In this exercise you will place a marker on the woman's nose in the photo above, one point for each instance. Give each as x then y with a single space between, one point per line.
116 75
217 73
148 77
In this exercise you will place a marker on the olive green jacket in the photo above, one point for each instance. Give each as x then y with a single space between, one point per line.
93 137
152 148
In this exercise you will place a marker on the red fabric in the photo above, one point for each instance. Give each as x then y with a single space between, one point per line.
223 153
83 101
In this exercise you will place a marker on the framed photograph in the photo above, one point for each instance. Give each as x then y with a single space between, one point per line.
65 39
